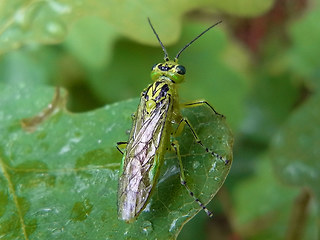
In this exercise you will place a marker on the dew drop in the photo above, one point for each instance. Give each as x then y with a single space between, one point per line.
20 17
56 231
60 8
55 30
213 168
196 165
173 225
147 228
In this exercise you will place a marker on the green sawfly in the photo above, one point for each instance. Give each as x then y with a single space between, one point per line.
153 133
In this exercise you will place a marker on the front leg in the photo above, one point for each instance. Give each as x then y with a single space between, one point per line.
200 103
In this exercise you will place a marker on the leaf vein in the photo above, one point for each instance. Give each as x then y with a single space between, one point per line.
15 197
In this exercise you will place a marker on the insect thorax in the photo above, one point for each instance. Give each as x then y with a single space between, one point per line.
156 93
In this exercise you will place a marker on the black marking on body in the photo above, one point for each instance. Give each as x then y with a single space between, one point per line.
145 94
156 84
158 94
163 92
165 68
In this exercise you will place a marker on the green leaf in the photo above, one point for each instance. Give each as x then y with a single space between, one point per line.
295 149
48 21
271 101
59 171
303 57
268 209
91 40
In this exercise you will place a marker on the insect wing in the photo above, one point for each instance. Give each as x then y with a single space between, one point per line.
141 160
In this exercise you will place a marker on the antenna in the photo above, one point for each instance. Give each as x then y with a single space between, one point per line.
178 55
166 58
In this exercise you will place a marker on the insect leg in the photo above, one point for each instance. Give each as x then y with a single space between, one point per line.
175 146
199 103
122 145
179 129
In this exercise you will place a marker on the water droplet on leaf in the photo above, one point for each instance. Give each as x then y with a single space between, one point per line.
147 227
55 31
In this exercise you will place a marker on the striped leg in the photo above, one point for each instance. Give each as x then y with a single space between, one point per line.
175 146
179 129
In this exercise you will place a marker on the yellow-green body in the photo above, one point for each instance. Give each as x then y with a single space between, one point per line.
149 139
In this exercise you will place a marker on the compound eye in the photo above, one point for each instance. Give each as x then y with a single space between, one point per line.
154 66
181 70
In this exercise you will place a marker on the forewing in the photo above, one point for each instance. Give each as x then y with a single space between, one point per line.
141 157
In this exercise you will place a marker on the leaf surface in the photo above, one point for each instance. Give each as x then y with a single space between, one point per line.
59 170
23 22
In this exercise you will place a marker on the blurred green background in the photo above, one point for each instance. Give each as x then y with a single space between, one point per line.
260 68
